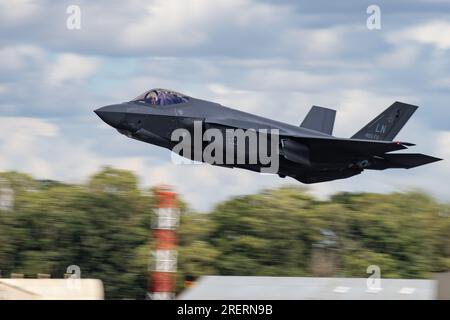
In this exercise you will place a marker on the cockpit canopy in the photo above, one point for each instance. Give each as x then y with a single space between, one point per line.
161 97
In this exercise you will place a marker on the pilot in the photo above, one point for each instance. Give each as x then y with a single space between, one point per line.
152 98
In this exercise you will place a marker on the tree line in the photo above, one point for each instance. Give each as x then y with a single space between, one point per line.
104 227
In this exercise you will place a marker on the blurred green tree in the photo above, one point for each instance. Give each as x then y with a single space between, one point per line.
104 227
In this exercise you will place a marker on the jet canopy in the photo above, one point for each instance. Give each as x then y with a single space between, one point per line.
161 97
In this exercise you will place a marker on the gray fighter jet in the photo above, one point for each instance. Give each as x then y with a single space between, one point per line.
308 153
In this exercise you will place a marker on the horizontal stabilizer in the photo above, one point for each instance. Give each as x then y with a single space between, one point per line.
388 124
320 119
410 160
403 160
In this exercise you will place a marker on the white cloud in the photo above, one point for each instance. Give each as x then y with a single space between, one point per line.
168 22
203 186
442 82
18 58
357 107
285 80
29 74
264 58
187 24
432 33
17 11
22 126
443 145
18 144
71 67
316 43
3 89
38 147
402 56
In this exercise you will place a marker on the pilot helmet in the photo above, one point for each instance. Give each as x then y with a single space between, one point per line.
153 97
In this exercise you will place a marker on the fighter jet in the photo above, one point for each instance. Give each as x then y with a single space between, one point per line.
308 153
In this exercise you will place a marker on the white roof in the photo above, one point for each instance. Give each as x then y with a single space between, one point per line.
295 288
51 289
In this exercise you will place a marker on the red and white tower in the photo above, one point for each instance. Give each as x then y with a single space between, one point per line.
162 281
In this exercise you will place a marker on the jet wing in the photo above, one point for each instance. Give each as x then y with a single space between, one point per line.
240 124
320 142
361 147
283 129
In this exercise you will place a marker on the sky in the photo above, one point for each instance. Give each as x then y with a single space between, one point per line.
272 58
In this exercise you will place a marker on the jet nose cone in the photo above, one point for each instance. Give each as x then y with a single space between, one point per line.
112 115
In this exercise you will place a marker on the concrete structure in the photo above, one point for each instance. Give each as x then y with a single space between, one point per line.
51 289
293 288
443 285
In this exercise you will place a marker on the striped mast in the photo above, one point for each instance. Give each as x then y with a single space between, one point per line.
163 270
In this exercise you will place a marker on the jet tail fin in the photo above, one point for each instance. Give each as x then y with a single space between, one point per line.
320 119
388 124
